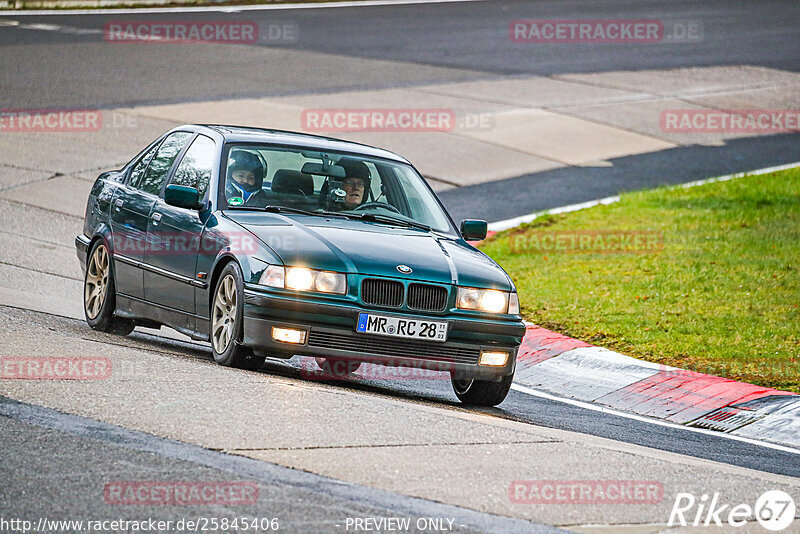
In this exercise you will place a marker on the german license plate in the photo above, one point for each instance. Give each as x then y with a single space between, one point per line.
387 325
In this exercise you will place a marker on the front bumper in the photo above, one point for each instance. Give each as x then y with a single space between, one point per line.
331 333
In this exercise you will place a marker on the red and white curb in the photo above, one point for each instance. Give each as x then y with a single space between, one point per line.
566 367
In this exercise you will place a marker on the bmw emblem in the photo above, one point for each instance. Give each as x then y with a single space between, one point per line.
405 269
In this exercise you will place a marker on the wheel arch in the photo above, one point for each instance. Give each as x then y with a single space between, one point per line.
219 266
103 233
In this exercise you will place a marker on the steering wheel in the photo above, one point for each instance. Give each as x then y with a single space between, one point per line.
385 205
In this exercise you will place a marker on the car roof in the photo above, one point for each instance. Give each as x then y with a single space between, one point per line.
244 134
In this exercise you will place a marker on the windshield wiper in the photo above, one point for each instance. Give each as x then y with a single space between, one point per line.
285 209
375 217
379 217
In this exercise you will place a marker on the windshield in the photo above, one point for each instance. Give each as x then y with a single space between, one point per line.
375 190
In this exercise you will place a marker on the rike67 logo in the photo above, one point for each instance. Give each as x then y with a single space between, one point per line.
774 510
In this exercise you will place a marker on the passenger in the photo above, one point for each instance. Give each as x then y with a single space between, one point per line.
246 173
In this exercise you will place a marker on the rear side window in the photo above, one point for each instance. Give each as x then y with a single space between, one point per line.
153 179
140 167
196 165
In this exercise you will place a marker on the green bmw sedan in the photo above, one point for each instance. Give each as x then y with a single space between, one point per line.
274 243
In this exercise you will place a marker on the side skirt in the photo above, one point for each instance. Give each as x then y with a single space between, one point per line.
189 324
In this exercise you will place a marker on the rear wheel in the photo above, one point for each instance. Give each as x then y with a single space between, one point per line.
482 392
99 294
227 322
337 366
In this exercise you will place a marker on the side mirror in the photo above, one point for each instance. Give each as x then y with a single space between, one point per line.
182 197
473 229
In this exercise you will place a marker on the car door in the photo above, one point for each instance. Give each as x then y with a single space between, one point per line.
133 209
130 211
174 234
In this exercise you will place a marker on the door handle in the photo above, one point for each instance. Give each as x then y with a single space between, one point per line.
118 203
156 218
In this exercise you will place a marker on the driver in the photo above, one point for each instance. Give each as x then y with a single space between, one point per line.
355 183
246 173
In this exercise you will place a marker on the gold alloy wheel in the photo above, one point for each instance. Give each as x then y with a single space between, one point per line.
224 318
96 285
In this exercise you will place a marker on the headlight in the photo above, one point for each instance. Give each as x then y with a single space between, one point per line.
468 298
299 278
328 282
303 279
273 276
488 300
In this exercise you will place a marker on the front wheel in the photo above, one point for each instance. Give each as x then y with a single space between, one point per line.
99 294
227 322
482 392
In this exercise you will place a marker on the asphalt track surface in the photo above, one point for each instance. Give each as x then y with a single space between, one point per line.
437 43
553 414
440 42
523 195
460 40
435 388
81 454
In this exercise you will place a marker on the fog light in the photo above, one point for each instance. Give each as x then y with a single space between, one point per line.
491 357
288 335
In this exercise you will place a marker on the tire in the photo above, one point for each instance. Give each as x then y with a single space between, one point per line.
482 392
227 322
100 295
338 366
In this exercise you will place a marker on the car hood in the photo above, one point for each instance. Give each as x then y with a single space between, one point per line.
370 248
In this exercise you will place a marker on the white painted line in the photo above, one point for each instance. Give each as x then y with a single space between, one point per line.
727 177
51 28
610 411
227 9
516 221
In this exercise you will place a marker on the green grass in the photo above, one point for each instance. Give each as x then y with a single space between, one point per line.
720 297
